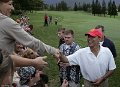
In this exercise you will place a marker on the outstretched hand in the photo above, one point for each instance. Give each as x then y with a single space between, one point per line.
57 53
65 83
39 62
60 57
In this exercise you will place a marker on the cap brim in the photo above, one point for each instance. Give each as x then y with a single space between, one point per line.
90 35
86 34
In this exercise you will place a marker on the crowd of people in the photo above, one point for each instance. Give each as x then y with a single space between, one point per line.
96 62
49 20
22 63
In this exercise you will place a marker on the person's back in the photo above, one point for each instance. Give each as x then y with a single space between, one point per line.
45 20
71 73
56 21
50 19
108 43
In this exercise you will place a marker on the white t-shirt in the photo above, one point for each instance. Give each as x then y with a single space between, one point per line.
101 43
93 67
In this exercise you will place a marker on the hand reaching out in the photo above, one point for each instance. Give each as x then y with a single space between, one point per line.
57 53
65 83
39 62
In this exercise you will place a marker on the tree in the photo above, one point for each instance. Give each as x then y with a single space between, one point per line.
79 6
110 8
31 5
114 9
119 8
28 5
84 7
24 4
17 4
103 9
59 8
51 7
97 7
75 7
64 6
93 7
56 7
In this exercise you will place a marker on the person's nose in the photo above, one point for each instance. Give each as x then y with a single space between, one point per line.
12 8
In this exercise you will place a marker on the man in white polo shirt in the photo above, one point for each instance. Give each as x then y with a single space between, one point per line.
96 62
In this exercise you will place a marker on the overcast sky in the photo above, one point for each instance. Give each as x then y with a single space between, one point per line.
71 2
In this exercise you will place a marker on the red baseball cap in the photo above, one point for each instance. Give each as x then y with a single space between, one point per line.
94 33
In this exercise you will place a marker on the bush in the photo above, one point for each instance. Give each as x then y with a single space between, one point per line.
17 12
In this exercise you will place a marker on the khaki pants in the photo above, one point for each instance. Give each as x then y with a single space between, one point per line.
89 84
73 84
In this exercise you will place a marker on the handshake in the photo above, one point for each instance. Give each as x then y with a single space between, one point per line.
39 61
60 56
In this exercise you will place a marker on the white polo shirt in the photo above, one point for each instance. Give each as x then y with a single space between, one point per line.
93 67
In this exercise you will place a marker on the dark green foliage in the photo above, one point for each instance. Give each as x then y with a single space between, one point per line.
119 8
51 8
93 7
16 12
28 5
96 7
75 7
110 8
103 9
79 7
62 6
114 9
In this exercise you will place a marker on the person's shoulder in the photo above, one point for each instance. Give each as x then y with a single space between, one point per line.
74 44
9 21
5 19
84 50
62 45
105 49
108 40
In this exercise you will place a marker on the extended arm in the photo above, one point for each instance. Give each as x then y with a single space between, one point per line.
22 62
17 33
62 58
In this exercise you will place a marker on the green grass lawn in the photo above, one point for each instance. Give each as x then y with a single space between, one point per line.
80 22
